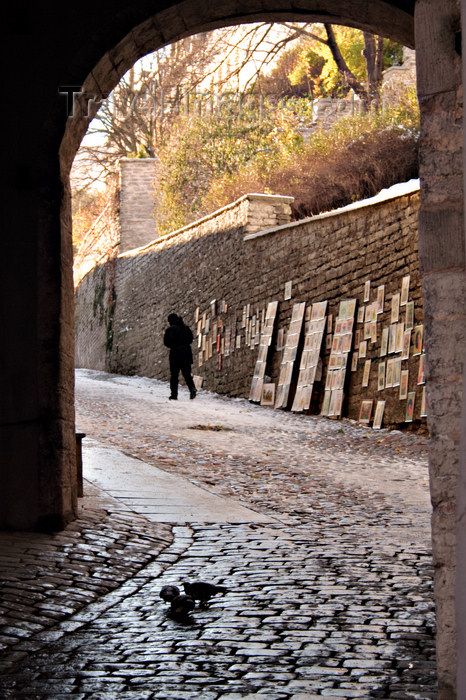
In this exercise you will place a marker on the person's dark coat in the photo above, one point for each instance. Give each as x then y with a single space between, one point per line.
178 337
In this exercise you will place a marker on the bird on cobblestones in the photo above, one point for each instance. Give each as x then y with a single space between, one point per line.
202 591
182 605
168 593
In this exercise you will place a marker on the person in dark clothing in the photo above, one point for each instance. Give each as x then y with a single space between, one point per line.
178 337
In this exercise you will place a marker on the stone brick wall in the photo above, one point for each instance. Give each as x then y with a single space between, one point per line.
230 258
137 202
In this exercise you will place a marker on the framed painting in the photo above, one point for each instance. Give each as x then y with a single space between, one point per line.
406 345
389 374
287 293
365 411
410 407
404 290
363 349
338 402
417 340
378 416
392 339
409 325
381 376
404 384
395 308
331 408
384 342
268 395
380 298
396 372
326 404
367 290
400 329
365 376
420 375
423 403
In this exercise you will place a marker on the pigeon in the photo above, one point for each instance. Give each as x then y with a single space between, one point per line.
182 605
202 591
168 593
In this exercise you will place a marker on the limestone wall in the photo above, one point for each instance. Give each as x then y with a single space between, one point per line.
228 257
137 202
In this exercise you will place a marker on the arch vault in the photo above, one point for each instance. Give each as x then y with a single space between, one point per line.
51 54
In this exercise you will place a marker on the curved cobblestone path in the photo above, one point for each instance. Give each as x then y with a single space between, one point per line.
331 598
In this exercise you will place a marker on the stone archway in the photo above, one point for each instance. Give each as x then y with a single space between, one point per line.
92 47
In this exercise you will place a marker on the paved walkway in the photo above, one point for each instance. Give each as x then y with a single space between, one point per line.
161 497
329 573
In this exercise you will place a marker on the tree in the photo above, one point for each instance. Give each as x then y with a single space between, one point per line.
351 59
150 113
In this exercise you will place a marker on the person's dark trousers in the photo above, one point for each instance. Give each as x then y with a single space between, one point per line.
185 368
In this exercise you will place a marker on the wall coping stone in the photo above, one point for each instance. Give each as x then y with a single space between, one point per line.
251 197
394 192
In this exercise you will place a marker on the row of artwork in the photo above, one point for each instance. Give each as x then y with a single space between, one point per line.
214 338
367 405
311 329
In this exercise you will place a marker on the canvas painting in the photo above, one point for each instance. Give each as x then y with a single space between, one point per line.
367 369
365 411
410 407
371 312
363 349
268 395
404 384
331 408
400 329
354 361
420 376
338 402
395 308
287 294
361 314
392 339
406 345
380 298
423 403
326 403
389 374
381 376
379 409
417 340
319 309
384 342
404 290
396 372
409 315
346 342
367 290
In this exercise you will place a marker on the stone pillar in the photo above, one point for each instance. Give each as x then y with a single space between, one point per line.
37 440
461 507
442 264
266 211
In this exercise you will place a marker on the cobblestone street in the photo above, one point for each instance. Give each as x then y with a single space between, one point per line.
329 588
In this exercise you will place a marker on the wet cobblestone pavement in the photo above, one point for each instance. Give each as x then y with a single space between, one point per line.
333 598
